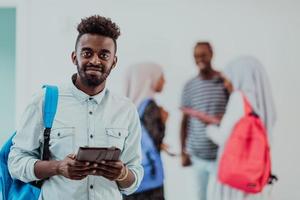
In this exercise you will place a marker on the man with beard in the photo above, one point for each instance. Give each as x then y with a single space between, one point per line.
88 115
203 96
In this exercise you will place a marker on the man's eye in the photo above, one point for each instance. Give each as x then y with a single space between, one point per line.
86 54
104 55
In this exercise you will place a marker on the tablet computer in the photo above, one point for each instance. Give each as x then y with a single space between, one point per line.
97 154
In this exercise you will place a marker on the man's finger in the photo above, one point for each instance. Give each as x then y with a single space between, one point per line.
113 164
78 174
108 169
75 163
108 175
72 156
80 169
80 163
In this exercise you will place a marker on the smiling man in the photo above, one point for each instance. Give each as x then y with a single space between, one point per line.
88 115
206 93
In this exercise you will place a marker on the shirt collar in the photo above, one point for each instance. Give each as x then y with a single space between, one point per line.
82 97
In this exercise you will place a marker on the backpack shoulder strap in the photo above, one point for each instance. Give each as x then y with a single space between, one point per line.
147 141
142 106
49 111
50 105
247 106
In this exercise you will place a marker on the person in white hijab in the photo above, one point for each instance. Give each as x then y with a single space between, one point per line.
245 74
248 75
143 81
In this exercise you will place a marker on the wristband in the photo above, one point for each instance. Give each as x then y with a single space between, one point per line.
124 177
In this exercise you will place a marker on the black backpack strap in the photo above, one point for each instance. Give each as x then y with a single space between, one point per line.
152 164
272 179
46 154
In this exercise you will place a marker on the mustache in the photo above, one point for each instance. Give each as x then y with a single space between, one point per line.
100 68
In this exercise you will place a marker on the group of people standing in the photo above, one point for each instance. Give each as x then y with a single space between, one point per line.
212 103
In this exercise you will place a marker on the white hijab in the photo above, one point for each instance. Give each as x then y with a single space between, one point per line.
141 80
248 75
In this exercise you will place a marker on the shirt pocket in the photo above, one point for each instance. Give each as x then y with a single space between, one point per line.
62 142
116 137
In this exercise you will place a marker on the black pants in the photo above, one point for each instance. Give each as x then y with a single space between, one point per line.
154 194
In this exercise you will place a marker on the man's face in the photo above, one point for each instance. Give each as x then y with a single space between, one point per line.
94 58
203 56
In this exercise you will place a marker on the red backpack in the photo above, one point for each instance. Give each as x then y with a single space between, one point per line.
246 163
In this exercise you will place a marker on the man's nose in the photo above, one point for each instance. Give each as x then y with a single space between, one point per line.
96 60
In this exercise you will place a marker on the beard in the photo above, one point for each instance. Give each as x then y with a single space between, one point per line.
95 77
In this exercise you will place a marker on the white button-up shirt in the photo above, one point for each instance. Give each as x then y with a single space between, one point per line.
103 120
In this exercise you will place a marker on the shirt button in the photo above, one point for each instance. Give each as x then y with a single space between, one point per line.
91 136
90 98
91 187
91 112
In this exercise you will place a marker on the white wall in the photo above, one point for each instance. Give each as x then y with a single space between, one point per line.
165 32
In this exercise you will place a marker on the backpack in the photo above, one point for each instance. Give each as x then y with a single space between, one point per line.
151 160
246 163
13 189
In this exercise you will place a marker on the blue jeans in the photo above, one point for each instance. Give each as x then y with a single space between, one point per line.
202 170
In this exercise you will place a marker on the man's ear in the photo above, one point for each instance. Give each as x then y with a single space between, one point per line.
74 58
115 62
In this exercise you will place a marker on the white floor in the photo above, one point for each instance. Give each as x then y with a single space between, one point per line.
179 183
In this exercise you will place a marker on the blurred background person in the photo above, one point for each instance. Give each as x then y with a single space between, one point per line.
142 83
246 75
205 92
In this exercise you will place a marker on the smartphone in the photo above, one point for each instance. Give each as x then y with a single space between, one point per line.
97 154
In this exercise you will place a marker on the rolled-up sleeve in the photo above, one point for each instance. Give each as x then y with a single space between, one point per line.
131 155
26 143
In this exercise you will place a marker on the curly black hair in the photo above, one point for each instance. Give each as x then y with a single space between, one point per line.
97 24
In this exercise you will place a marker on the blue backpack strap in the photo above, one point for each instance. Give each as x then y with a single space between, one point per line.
50 105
